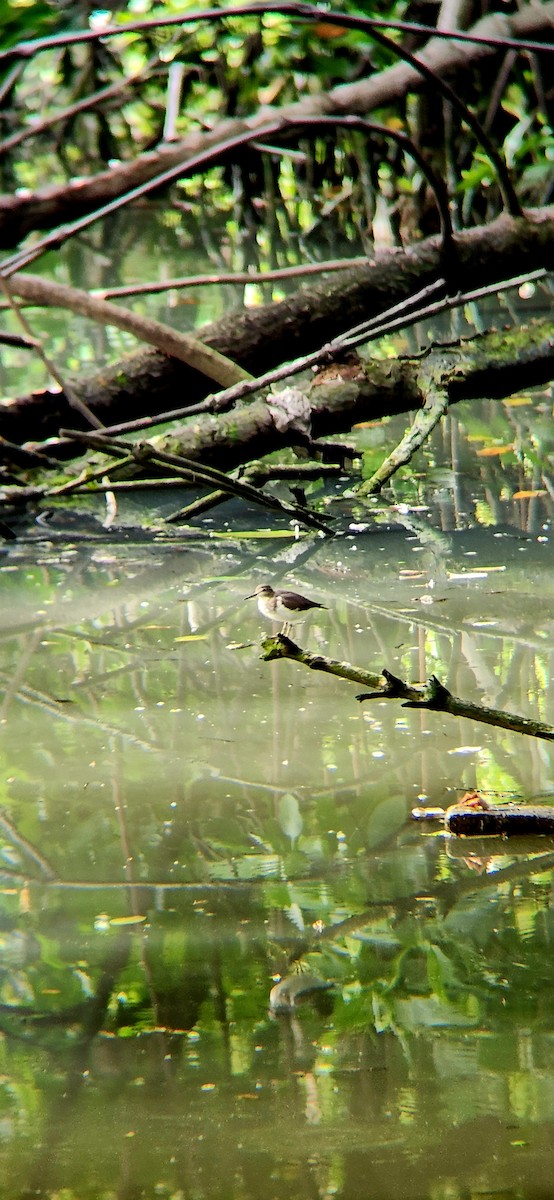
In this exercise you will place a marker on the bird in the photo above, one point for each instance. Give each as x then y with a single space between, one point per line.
279 605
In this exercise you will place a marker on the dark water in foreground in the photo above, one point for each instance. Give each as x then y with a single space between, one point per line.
181 824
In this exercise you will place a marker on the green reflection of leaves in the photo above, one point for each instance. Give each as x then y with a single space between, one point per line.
425 1012
385 820
440 972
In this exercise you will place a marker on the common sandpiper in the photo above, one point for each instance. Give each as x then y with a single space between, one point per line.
279 605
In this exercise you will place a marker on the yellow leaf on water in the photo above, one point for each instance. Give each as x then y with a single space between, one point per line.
530 494
136 920
495 451
191 637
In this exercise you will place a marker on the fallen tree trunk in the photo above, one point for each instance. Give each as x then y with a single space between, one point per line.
491 365
149 382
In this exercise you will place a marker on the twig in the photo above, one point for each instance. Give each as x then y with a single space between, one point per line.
9 81
386 686
173 100
65 114
77 486
18 840
197 473
326 266
15 339
28 48
69 488
178 170
195 509
83 488
71 395
237 488
257 476
231 277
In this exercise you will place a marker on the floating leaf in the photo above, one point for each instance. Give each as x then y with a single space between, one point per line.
192 637
530 494
136 920
495 451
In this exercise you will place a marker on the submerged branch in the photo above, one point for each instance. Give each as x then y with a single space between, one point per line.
436 404
386 686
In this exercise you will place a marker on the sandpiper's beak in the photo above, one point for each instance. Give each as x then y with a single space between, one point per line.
250 596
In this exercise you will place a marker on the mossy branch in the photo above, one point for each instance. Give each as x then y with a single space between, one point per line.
436 404
386 686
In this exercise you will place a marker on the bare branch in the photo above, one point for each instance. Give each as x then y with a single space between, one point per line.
183 346
388 687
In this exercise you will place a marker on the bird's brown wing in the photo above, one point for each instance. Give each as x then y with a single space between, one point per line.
298 603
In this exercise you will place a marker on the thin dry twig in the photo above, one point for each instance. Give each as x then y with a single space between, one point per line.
72 397
231 277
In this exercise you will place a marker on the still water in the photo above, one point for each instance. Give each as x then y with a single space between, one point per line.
182 824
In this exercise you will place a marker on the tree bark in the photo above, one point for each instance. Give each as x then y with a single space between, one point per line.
491 365
258 339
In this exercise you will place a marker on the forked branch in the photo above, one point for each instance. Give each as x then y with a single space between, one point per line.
386 686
